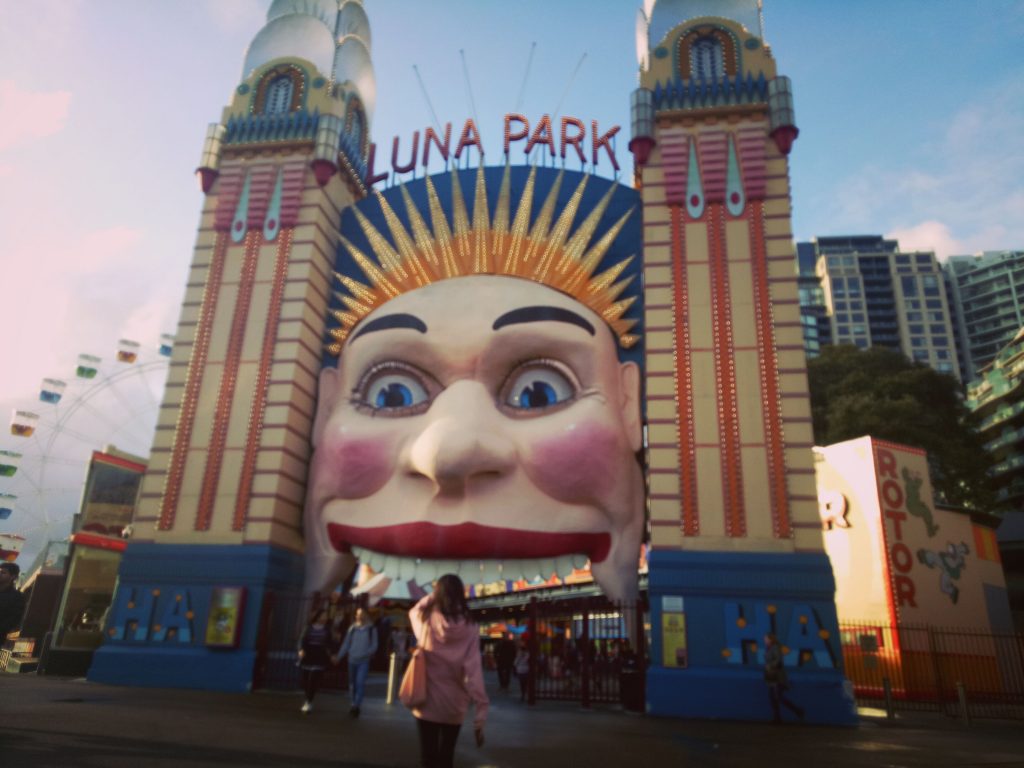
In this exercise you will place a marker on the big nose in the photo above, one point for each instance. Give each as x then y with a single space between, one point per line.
463 440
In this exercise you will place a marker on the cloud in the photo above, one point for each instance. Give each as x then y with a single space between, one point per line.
237 14
959 193
30 115
929 236
64 287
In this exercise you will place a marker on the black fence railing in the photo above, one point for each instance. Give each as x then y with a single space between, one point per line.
960 672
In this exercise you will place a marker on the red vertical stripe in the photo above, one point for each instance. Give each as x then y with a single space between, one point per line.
259 402
684 382
193 384
229 378
725 374
768 359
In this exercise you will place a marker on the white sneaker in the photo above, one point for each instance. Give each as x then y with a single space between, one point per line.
307 707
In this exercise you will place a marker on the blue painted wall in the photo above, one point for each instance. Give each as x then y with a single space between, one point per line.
155 632
730 600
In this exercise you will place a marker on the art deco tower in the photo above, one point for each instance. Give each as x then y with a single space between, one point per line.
736 537
222 501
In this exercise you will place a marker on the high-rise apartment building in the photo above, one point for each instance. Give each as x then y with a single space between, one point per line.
997 397
987 292
876 295
814 319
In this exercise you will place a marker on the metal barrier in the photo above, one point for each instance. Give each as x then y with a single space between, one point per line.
584 649
960 672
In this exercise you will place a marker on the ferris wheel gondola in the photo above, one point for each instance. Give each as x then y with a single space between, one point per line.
106 401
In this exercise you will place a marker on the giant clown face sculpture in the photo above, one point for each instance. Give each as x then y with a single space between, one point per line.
480 424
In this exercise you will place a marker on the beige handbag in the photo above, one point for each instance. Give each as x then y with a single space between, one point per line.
413 690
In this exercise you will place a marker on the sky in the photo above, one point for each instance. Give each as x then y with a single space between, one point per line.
911 118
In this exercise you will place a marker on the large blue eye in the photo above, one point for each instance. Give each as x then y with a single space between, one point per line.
395 391
538 387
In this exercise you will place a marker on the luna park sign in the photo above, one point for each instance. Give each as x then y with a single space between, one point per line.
572 136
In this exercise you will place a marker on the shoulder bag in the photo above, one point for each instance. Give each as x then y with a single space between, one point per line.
413 690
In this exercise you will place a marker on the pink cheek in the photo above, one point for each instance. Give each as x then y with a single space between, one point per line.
580 465
355 468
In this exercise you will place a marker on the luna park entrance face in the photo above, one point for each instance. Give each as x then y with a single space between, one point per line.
584 649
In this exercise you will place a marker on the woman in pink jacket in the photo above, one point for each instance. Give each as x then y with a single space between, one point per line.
451 644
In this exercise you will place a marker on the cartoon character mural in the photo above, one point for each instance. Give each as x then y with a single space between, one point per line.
479 418
950 563
915 504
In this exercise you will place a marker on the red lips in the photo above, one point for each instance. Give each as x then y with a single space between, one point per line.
468 541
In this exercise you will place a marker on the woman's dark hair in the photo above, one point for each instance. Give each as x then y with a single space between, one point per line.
449 599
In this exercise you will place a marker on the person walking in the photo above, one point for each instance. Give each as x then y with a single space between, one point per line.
504 657
775 678
522 667
360 645
314 654
12 601
451 644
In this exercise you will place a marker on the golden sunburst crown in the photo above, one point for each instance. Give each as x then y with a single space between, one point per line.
540 250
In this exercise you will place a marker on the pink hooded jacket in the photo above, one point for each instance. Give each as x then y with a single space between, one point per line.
454 672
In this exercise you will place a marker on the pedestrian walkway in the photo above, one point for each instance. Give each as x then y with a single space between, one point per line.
61 723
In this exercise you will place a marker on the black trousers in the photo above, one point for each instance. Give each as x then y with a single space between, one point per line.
437 743
311 682
777 696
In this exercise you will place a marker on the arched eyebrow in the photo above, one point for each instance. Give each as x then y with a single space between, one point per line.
541 314
388 322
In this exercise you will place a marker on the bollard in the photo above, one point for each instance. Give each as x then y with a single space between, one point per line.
391 679
887 688
961 694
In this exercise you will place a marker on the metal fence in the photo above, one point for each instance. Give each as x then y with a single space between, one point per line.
960 672
583 649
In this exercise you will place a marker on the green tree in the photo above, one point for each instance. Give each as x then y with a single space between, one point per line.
878 392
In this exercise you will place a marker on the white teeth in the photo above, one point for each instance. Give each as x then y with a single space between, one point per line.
529 569
423 572
392 565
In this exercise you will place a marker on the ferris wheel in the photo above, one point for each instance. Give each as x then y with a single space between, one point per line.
106 402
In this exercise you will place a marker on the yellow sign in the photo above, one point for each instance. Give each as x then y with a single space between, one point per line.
226 605
673 639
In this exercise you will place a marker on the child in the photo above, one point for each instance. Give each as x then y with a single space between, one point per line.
314 655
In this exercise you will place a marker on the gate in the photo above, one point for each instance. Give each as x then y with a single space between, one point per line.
584 649
960 672
282 620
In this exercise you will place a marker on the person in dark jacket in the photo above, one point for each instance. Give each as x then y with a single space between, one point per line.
505 657
775 677
12 602
314 654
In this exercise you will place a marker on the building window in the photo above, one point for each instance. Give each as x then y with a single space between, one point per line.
914 317
918 329
909 286
279 95
707 61
857 317
940 341
944 367
853 284
933 303
861 343
917 342
921 355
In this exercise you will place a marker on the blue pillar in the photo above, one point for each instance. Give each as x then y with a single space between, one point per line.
156 628
727 602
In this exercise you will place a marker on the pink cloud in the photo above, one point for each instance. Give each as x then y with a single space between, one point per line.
928 236
30 115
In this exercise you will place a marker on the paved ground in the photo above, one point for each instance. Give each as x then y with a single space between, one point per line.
63 723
